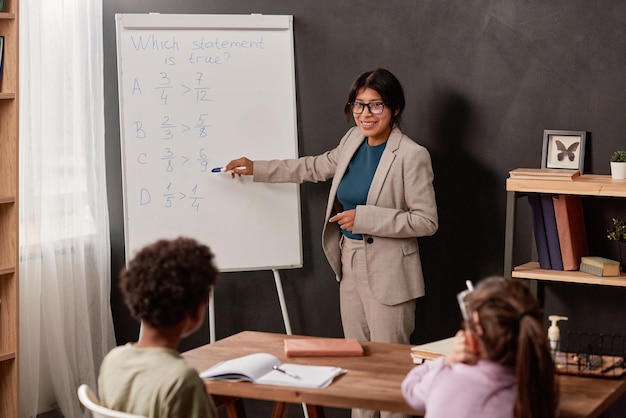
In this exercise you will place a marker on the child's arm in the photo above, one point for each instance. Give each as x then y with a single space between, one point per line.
417 383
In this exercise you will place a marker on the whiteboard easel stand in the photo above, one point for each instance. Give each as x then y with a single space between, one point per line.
281 300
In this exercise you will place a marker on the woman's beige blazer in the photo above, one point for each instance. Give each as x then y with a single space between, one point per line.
400 207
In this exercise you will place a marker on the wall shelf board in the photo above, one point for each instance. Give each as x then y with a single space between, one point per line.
531 270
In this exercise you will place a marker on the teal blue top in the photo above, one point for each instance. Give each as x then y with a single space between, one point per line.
355 184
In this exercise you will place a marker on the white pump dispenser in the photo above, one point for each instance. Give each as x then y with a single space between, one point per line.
554 333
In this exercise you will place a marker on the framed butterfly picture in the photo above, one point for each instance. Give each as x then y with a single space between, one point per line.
563 149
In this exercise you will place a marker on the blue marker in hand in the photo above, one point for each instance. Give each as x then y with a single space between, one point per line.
223 169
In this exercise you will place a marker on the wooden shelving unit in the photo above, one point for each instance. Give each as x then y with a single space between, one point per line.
585 185
9 236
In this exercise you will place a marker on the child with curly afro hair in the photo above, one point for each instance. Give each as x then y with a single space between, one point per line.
166 287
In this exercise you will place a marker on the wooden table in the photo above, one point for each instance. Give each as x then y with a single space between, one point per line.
372 381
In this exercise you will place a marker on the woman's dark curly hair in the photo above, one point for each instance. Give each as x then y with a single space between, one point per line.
168 280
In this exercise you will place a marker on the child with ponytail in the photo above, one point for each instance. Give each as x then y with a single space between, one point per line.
500 366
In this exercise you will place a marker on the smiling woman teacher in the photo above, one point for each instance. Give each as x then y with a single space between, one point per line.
380 201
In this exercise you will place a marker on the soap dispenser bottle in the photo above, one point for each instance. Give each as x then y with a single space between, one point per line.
554 336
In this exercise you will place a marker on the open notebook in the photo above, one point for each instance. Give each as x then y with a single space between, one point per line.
266 369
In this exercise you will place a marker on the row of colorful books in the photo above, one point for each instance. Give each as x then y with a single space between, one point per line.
561 236
559 229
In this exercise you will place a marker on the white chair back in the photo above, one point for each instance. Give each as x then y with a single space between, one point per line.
90 401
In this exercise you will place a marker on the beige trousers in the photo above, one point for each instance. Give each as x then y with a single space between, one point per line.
363 317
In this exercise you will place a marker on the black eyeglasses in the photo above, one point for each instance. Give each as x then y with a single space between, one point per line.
375 108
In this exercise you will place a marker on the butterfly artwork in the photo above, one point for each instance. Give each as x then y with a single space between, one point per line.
563 149
569 152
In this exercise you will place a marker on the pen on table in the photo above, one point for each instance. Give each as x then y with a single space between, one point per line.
223 169
594 361
278 369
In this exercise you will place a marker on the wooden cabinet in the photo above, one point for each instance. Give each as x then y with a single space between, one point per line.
585 185
9 236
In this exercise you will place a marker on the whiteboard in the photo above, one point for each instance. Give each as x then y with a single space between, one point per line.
196 91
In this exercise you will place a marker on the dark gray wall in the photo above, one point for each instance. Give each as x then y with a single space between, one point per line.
483 79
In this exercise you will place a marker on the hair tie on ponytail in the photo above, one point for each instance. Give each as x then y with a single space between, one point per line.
523 314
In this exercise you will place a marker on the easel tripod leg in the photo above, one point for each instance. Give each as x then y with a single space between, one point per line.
281 299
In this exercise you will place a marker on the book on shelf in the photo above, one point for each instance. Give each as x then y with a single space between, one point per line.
430 351
600 266
266 369
552 233
539 231
322 347
570 224
544 174
1 56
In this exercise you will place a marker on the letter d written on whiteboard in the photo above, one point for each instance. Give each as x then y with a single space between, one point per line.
144 197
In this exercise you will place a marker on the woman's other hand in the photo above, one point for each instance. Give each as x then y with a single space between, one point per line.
345 219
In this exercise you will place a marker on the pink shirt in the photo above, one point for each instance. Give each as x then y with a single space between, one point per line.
485 390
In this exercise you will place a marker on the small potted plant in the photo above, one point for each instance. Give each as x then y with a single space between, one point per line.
618 165
617 232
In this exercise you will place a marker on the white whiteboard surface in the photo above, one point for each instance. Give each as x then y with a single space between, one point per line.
195 92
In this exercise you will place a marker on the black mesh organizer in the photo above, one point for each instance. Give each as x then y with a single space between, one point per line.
594 355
